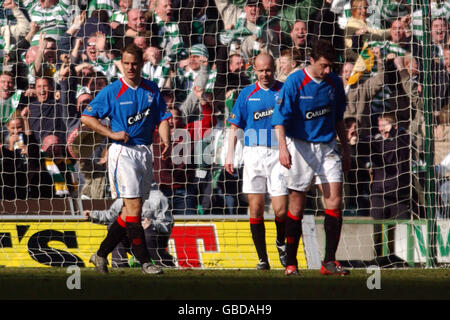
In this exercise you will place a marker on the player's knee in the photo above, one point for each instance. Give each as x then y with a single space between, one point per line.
333 203
279 206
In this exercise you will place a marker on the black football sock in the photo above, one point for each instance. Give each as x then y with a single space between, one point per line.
280 224
332 226
135 233
116 233
258 230
293 234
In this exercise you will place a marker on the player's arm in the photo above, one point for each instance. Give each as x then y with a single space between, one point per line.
340 126
340 131
97 126
232 140
284 155
164 134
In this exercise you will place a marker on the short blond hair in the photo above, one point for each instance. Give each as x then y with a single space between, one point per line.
389 116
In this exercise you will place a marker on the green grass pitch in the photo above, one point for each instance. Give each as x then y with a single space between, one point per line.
194 284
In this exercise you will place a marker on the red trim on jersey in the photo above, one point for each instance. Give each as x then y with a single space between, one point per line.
256 220
277 86
145 86
330 82
169 117
234 124
122 89
255 90
305 81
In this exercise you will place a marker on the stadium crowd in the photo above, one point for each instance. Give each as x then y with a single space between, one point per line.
57 55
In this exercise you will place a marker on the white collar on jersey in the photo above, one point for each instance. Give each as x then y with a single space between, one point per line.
273 85
130 86
316 80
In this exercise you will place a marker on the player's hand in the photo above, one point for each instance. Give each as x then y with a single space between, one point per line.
229 167
165 153
285 158
120 136
146 223
229 163
86 214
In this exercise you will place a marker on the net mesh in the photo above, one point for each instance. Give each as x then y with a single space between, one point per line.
393 58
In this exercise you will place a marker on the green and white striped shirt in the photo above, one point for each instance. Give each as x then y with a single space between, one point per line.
384 12
8 106
392 10
157 74
52 21
239 32
387 47
119 16
186 79
343 18
109 5
2 52
172 43
441 10
107 67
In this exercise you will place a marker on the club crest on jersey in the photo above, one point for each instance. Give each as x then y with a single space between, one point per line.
276 96
331 94
317 113
138 117
258 115
150 98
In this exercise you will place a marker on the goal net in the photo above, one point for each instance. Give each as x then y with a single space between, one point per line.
56 56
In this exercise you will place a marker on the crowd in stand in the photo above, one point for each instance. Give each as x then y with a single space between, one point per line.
57 55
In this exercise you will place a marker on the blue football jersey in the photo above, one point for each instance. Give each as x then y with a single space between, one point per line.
137 111
253 112
309 109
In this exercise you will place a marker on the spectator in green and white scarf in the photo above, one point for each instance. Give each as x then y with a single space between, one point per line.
96 52
9 100
121 16
155 68
166 32
189 69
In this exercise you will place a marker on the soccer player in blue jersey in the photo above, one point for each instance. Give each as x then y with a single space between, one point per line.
307 118
252 113
134 107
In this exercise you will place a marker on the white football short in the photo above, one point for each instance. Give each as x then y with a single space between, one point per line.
130 171
312 163
262 171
